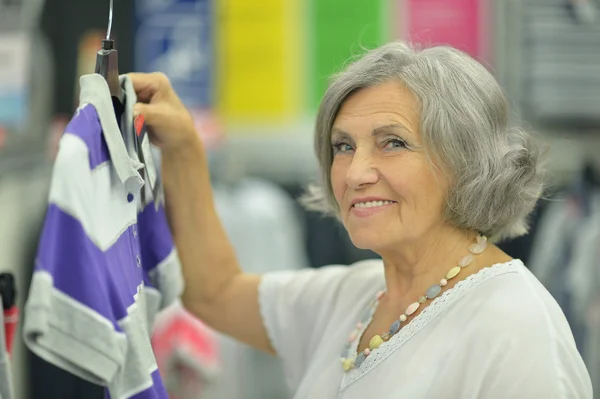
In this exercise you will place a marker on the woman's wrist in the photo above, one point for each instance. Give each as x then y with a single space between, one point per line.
187 150
185 167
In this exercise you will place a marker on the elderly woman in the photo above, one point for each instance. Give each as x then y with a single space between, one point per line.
419 165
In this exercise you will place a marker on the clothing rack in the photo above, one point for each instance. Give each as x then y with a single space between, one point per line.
537 43
550 62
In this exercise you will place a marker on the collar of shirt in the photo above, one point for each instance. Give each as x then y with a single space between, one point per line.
95 91
130 100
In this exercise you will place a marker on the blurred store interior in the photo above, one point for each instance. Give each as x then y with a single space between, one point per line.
252 74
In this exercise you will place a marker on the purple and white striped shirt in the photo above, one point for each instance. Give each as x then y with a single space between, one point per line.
104 261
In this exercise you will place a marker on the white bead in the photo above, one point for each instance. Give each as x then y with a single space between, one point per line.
412 308
477 248
403 318
443 282
466 260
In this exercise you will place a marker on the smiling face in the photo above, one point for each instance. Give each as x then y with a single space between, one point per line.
381 178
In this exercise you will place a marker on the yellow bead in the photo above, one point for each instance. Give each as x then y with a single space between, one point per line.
453 272
375 342
347 364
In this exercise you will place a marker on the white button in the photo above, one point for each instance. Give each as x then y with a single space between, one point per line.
134 231
138 260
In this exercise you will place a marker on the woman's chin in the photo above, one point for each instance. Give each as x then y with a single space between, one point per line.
371 242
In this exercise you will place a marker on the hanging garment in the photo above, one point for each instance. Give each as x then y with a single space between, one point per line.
262 224
552 248
9 308
186 351
556 244
87 310
6 388
584 283
559 61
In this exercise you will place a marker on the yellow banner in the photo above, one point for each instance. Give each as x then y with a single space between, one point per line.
258 59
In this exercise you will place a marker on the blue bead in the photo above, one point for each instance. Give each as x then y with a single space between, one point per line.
359 360
129 197
433 291
395 327
345 351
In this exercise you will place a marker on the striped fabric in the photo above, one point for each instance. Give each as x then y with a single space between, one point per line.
104 259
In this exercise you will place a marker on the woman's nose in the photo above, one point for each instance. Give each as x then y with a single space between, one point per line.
362 172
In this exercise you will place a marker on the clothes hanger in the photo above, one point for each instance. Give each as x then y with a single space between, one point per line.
107 61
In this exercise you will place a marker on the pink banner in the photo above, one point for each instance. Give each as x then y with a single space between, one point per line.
457 23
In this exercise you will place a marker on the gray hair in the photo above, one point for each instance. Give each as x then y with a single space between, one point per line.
495 171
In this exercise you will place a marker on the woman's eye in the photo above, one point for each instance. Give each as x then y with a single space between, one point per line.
394 143
341 147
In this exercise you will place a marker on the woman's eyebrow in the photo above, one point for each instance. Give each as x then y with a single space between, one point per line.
337 132
387 128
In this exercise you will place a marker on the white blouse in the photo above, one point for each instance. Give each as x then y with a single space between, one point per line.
497 334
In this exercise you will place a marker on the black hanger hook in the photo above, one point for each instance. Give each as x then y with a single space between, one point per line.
107 63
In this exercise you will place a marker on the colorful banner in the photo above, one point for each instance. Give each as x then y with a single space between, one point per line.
458 23
258 59
175 37
14 80
342 29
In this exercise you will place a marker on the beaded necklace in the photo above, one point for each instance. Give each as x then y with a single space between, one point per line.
350 360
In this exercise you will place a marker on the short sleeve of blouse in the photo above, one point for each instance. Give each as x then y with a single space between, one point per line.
297 306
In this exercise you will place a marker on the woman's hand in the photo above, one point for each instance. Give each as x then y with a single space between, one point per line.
169 123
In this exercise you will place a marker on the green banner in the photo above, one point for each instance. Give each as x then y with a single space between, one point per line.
342 29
